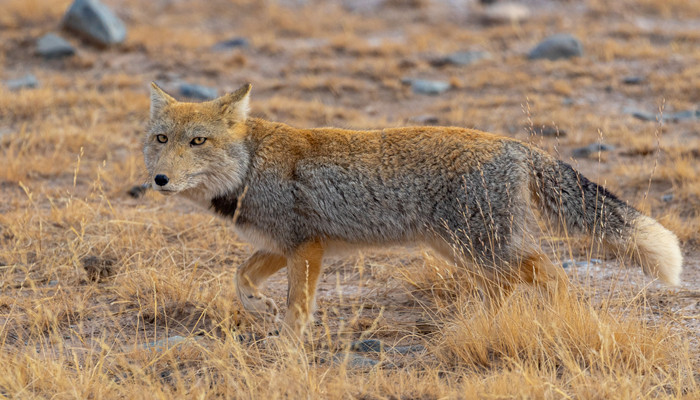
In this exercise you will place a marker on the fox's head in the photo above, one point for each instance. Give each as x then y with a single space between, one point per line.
197 148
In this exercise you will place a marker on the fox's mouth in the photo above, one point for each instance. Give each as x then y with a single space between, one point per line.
166 192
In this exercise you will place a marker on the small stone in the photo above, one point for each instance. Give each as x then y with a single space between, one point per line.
28 81
421 86
461 58
198 92
139 190
568 263
232 43
367 346
95 22
53 283
633 80
425 119
506 13
592 148
556 47
416 348
686 115
54 46
667 197
644 116
549 131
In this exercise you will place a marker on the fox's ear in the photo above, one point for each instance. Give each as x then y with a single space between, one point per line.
235 106
159 99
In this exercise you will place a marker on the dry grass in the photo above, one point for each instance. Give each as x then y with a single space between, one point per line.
89 277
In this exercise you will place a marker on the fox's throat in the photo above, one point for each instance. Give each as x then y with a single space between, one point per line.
225 205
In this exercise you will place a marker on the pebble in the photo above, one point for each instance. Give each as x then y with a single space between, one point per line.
28 81
592 148
633 80
549 131
558 46
426 119
367 346
54 46
95 22
667 197
461 58
198 91
422 86
685 115
232 43
643 115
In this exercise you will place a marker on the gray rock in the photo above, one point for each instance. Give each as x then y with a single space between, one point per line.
686 115
28 81
198 92
549 131
421 86
163 344
461 58
643 115
54 46
416 348
232 43
367 346
667 197
426 119
633 80
592 148
556 47
95 22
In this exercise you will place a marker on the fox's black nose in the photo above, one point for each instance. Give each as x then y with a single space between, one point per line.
161 180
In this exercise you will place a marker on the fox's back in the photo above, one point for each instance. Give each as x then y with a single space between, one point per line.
384 185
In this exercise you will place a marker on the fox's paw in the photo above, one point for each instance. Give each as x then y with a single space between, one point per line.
261 306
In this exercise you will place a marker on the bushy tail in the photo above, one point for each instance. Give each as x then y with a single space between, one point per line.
580 205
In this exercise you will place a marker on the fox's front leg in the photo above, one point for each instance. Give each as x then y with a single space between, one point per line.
254 271
303 271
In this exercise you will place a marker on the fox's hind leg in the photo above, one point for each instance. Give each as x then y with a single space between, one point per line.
538 270
254 271
303 272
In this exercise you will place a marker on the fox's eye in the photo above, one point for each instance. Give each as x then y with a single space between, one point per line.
162 138
198 141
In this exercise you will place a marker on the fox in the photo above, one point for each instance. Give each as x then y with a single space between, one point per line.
301 195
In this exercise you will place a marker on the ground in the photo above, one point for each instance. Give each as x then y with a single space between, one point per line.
94 281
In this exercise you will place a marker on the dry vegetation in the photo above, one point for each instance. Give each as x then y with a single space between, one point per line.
89 276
